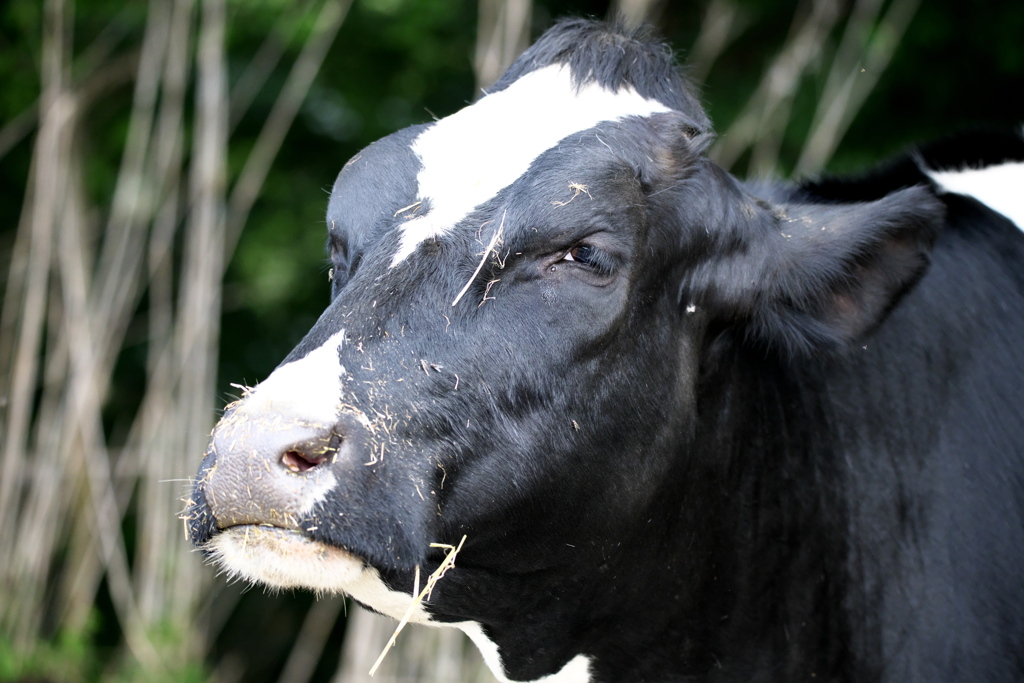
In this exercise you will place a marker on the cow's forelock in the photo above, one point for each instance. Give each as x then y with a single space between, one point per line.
468 157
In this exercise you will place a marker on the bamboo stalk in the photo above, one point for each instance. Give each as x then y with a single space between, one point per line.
503 31
120 260
36 235
286 106
722 23
167 579
762 123
90 61
266 59
310 641
635 13
854 74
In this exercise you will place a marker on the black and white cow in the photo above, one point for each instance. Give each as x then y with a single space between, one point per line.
691 429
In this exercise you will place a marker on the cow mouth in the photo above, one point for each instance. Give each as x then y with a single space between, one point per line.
288 558
284 558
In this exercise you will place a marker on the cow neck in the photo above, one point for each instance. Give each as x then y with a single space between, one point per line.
761 523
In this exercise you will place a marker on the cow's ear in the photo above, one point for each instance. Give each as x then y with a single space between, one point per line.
807 277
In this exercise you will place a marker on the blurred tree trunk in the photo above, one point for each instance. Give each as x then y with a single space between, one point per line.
634 13
869 40
503 32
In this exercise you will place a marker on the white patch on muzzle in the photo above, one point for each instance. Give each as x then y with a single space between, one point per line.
468 157
300 400
307 389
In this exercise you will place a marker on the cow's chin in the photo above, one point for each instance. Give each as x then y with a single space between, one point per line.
284 558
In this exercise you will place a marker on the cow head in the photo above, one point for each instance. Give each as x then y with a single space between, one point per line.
527 298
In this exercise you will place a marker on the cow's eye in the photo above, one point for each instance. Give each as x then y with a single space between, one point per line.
582 253
592 258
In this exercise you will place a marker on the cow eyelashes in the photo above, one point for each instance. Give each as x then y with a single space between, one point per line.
592 258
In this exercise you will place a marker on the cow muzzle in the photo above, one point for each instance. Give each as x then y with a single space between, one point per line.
269 470
295 473
252 512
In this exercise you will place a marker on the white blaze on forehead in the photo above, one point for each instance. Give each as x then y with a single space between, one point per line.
470 156
1000 187
307 389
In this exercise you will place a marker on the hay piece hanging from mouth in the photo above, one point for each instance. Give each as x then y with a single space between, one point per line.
419 596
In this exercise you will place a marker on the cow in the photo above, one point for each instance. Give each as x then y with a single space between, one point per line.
679 427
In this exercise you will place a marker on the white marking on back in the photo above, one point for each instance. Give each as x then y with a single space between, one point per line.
1000 187
470 156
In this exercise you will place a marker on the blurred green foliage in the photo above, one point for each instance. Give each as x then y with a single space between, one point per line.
78 657
69 658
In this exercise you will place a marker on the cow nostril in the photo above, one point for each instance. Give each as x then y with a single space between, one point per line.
297 461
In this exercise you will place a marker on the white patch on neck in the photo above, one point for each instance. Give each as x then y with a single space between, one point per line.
470 156
306 390
576 670
1000 187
